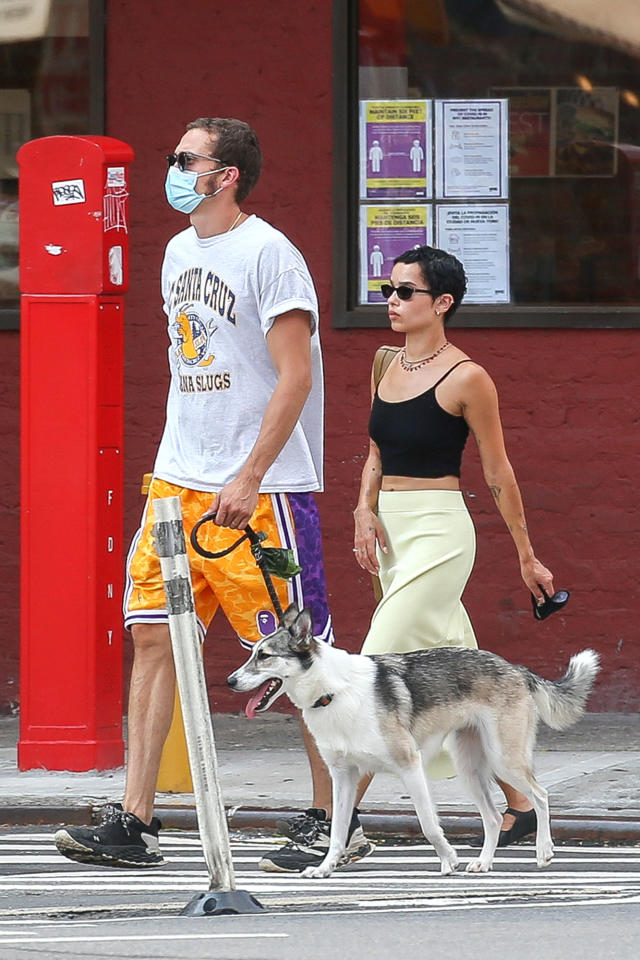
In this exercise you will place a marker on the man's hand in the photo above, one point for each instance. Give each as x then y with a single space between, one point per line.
234 505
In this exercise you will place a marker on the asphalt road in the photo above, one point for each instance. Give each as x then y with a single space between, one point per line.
585 904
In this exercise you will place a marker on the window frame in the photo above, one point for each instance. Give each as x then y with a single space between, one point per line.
345 221
10 316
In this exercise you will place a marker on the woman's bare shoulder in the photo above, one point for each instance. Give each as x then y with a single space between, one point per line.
474 382
469 369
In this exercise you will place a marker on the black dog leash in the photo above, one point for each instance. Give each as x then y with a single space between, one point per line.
270 560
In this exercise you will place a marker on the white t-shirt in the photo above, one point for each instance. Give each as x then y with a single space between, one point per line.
221 296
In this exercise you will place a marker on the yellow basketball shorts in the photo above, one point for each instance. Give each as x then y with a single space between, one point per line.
234 582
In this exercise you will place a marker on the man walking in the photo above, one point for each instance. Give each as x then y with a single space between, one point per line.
243 438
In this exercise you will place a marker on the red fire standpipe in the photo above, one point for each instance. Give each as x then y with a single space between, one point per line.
74 270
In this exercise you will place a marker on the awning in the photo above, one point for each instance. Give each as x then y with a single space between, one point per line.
615 23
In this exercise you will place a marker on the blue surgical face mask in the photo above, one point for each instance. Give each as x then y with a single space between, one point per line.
180 188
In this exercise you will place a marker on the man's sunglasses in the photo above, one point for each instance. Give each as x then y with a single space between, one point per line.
404 291
184 158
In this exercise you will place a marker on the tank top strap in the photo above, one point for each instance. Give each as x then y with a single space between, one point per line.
450 370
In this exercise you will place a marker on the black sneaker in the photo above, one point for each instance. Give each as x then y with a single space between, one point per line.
121 840
305 827
313 829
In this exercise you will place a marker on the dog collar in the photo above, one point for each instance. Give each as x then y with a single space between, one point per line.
323 701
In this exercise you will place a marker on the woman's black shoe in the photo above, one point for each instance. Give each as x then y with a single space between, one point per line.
525 824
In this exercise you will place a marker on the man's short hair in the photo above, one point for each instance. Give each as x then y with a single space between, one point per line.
236 145
441 270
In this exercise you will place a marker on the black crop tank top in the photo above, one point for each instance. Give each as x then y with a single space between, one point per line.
416 437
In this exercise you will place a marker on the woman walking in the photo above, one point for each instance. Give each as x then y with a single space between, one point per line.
412 527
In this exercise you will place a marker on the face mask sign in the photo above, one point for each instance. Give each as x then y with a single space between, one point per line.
180 188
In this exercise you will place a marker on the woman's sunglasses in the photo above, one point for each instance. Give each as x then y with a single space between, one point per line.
404 291
184 158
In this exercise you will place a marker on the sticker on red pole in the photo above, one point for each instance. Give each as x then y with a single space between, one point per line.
68 191
115 200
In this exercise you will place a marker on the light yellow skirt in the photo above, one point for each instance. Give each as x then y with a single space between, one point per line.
432 546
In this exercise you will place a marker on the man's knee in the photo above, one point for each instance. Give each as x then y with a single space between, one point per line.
151 638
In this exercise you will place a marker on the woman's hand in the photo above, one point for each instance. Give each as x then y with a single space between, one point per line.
536 576
368 532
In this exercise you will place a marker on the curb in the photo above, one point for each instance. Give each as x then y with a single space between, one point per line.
14 815
388 825
401 825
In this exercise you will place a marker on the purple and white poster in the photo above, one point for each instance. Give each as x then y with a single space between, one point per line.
385 233
395 150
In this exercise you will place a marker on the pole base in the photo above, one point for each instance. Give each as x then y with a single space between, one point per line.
215 903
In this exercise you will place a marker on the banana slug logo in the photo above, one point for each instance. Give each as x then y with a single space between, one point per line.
192 336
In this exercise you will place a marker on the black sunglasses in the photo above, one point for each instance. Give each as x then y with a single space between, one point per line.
184 158
404 291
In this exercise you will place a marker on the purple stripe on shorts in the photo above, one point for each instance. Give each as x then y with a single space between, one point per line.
288 541
309 540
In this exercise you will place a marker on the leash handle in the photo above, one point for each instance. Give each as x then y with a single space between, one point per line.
197 546
255 540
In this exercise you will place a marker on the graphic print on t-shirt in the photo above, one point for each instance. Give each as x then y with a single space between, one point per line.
196 306
193 337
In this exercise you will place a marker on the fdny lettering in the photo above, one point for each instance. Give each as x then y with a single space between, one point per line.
204 382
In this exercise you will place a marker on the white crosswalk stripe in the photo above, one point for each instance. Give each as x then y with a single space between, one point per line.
394 878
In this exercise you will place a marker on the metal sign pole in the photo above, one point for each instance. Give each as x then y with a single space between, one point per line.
222 897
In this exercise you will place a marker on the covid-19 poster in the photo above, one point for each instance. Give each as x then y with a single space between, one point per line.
472 149
478 235
395 150
435 172
385 233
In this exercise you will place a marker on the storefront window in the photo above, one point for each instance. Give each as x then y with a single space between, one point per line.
50 83
571 205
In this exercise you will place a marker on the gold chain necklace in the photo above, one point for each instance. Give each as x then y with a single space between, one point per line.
411 365
234 222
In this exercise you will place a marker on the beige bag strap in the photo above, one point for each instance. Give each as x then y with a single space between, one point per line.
384 356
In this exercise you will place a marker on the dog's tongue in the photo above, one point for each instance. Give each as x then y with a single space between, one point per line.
251 706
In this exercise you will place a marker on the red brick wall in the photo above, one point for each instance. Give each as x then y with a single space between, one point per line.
571 428
569 398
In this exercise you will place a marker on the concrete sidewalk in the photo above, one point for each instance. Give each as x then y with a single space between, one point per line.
591 773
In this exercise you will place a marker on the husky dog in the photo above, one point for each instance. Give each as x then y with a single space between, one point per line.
393 711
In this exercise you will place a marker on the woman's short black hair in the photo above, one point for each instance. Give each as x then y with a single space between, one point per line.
441 271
